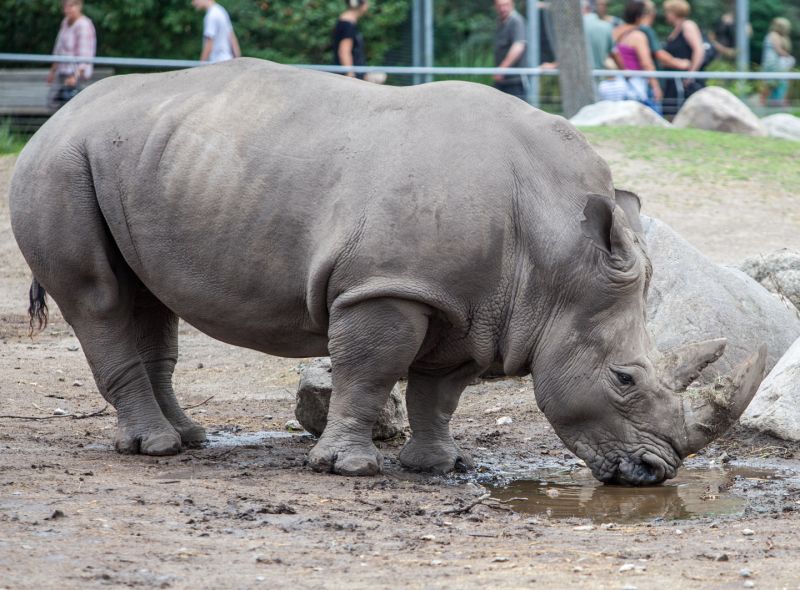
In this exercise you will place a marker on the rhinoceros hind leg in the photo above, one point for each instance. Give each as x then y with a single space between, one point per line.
66 241
372 344
431 400
157 343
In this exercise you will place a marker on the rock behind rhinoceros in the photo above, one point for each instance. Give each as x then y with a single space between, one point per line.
314 396
717 109
776 407
782 125
691 298
618 113
778 272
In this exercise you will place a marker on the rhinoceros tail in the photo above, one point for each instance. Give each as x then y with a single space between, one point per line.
37 310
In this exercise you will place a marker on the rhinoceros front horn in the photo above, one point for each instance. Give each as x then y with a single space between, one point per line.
679 367
713 409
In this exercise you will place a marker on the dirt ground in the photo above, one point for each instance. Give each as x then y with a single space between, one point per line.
247 513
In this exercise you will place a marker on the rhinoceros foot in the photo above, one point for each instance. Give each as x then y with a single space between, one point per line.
436 457
346 458
191 433
162 441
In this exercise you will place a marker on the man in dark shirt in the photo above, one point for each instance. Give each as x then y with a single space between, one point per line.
509 47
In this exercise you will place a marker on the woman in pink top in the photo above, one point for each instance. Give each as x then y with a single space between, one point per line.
632 52
76 38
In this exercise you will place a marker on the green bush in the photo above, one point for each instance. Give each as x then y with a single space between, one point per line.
10 143
290 31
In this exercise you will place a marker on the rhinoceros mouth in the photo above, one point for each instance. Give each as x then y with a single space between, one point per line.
649 470
642 469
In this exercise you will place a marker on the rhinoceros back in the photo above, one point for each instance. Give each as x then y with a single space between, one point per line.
254 195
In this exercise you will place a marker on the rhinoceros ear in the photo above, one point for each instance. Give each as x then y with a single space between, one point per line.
631 204
606 226
598 221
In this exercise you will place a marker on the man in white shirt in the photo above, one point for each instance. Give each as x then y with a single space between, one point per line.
219 40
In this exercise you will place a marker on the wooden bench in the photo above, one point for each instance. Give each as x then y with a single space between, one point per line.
25 95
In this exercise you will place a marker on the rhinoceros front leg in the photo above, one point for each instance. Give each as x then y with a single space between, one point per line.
157 343
372 345
431 400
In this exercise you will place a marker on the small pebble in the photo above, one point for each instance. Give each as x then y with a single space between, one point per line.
293 425
749 584
428 537
492 410
60 412
608 526
583 527
748 532
72 348
436 562
77 383
678 532
200 365
745 572
552 493
500 559
577 569
626 568
504 421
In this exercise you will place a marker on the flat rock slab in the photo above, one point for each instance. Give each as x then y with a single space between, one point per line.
717 109
778 272
776 407
314 396
691 298
618 113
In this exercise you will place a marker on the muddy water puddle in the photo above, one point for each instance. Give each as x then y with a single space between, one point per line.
695 493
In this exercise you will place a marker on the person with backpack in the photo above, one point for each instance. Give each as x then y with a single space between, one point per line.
684 42
632 53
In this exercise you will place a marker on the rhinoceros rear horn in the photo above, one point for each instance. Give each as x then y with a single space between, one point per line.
681 366
713 410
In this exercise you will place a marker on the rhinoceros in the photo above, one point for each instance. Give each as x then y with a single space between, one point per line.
426 231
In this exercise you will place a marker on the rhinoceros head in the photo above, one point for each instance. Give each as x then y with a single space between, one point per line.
614 400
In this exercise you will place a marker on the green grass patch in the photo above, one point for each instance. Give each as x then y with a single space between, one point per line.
706 156
10 142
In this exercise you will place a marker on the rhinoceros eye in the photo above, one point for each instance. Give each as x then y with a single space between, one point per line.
623 378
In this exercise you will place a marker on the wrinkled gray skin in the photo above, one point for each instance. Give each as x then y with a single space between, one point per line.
428 230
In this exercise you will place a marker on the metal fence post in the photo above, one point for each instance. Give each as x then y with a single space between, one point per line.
532 48
416 38
742 41
428 38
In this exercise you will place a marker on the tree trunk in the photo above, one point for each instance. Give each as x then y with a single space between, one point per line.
575 78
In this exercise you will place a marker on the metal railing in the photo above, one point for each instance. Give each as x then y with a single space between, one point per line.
147 63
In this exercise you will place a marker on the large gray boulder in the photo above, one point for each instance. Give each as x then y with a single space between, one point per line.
776 407
619 113
782 125
778 272
314 396
691 298
717 109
